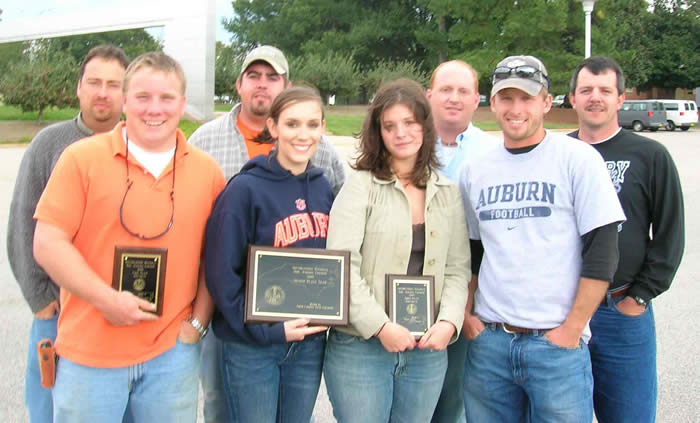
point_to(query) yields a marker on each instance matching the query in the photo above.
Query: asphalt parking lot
(676, 311)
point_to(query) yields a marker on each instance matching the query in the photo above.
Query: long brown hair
(286, 98)
(374, 155)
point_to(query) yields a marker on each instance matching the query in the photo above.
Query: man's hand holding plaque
(141, 272)
(126, 309)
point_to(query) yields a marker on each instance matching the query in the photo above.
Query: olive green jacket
(372, 219)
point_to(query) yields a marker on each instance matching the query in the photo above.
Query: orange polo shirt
(82, 198)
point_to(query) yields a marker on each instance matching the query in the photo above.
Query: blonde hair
(158, 61)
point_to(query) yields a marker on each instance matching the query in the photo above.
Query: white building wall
(189, 37)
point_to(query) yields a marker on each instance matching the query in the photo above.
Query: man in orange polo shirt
(130, 206)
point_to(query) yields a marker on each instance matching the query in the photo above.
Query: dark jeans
(276, 383)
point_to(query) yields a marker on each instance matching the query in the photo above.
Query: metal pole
(587, 10)
(588, 34)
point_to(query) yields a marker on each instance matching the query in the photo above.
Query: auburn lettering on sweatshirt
(299, 226)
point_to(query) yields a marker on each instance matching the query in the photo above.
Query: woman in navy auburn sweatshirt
(271, 372)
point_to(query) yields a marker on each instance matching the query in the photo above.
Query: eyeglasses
(523, 72)
(129, 183)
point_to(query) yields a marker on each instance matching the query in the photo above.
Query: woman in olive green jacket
(396, 215)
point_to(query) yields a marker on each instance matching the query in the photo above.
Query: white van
(680, 114)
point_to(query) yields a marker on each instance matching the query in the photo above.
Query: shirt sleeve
(63, 202)
(37, 287)
(469, 212)
(600, 253)
(229, 231)
(328, 159)
(457, 274)
(477, 249)
(346, 231)
(665, 250)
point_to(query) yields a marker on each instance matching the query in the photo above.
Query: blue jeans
(623, 356)
(37, 398)
(517, 378)
(215, 407)
(275, 383)
(162, 389)
(450, 406)
(368, 384)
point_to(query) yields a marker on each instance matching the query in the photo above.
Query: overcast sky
(17, 9)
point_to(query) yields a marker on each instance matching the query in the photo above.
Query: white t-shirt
(154, 162)
(530, 211)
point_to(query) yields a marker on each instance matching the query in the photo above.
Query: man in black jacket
(623, 343)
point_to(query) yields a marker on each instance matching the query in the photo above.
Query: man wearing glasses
(120, 229)
(546, 214)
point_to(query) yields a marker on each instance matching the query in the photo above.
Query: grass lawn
(50, 114)
(188, 126)
(223, 107)
(344, 125)
(21, 140)
(339, 121)
(351, 125)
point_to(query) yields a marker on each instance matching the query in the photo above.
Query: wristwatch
(640, 300)
(198, 326)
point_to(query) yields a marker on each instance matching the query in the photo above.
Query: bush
(334, 74)
(386, 71)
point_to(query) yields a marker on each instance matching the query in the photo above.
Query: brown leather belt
(516, 329)
(614, 295)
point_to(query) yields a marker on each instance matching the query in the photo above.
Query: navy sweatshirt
(263, 205)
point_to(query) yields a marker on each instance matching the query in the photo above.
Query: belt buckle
(505, 329)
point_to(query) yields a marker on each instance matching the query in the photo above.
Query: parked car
(642, 114)
(680, 114)
(558, 100)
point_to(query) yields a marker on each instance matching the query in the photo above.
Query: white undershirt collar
(154, 162)
(608, 138)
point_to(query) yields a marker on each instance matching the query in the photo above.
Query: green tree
(369, 30)
(619, 30)
(673, 44)
(133, 41)
(11, 53)
(334, 74)
(483, 33)
(658, 48)
(41, 82)
(227, 69)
